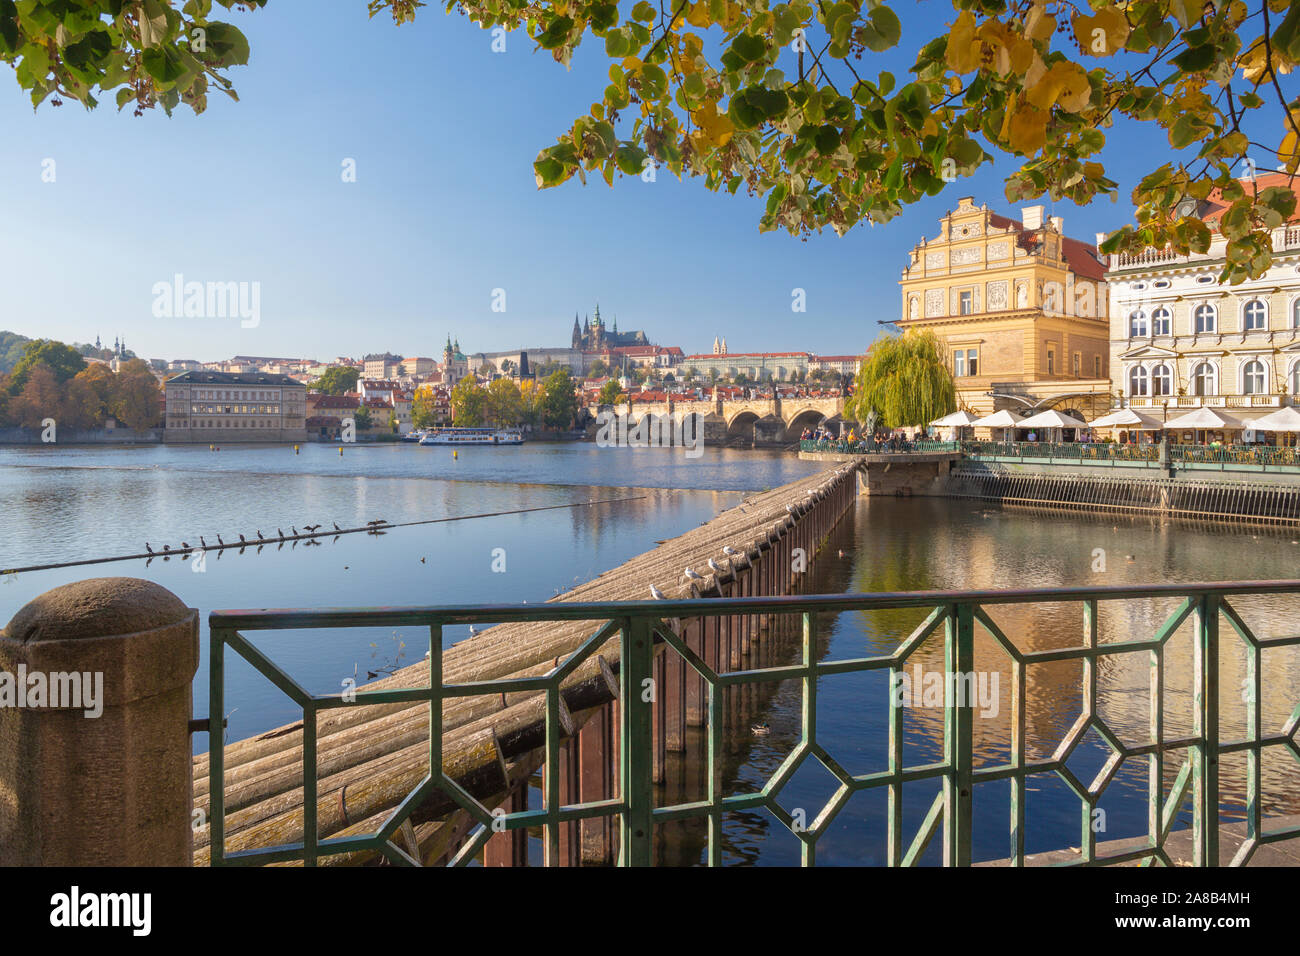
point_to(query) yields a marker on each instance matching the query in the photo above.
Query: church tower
(577, 333)
(717, 346)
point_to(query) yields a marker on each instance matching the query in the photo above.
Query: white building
(1181, 340)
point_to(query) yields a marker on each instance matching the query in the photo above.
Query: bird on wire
(280, 533)
(219, 541)
(185, 545)
(259, 535)
(167, 549)
(147, 548)
(294, 529)
(241, 540)
(336, 526)
(203, 544)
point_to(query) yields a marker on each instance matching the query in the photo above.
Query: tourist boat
(473, 436)
(414, 436)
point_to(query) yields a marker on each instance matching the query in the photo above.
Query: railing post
(635, 668)
(959, 654)
(1205, 755)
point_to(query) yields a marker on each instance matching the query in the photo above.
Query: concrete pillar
(105, 777)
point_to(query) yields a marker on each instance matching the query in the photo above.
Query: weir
(372, 755)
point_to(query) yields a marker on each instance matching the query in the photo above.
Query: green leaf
(227, 44)
(8, 27)
(163, 63)
(827, 139)
(881, 30)
(124, 96)
(1287, 36)
(557, 33)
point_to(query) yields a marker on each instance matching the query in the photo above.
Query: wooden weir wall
(1212, 500)
(370, 757)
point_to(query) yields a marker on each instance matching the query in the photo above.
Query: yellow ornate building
(1020, 309)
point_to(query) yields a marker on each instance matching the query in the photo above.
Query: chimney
(1101, 237)
(1031, 217)
(1058, 224)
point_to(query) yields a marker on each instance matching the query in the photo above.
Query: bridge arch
(740, 427)
(801, 419)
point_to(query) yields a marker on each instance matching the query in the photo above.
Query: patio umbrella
(1004, 419)
(1052, 419)
(1203, 419)
(1285, 419)
(958, 419)
(1127, 418)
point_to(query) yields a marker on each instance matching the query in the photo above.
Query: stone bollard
(95, 702)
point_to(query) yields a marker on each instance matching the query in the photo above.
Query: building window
(959, 363)
(1255, 315)
(1051, 362)
(1078, 365)
(1162, 322)
(1206, 318)
(1138, 383)
(1096, 366)
(966, 303)
(1162, 382)
(1137, 324)
(1252, 378)
(1295, 314)
(1205, 380)
(1295, 379)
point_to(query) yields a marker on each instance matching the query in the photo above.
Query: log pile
(369, 758)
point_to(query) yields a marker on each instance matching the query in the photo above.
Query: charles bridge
(757, 422)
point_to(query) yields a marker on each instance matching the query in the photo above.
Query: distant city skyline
(443, 222)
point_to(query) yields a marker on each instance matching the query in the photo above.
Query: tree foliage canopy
(337, 380)
(778, 98)
(905, 380)
(63, 360)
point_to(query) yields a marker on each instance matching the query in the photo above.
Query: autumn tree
(904, 380)
(136, 400)
(424, 410)
(468, 403)
(503, 403)
(560, 404)
(39, 398)
(609, 393)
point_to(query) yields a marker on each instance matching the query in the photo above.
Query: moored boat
(473, 436)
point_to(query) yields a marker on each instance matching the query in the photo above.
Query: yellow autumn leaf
(1289, 152)
(1102, 34)
(1037, 70)
(1064, 83)
(963, 50)
(1027, 131)
(1039, 24)
(698, 16)
(717, 128)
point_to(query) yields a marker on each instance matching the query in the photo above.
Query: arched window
(1138, 381)
(1162, 380)
(1206, 318)
(1205, 380)
(1137, 324)
(1254, 316)
(1162, 322)
(1252, 378)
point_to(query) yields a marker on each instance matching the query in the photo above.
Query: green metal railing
(1244, 457)
(639, 627)
(870, 447)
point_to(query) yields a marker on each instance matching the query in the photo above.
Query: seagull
(715, 566)
(692, 575)
(728, 549)
(472, 630)
(790, 508)
(147, 548)
(657, 594)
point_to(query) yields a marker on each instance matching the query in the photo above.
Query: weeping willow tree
(904, 380)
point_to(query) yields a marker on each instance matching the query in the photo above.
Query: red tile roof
(1080, 256)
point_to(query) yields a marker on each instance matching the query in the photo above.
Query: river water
(63, 504)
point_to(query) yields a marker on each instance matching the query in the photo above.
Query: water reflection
(895, 545)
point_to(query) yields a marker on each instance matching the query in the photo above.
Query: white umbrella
(1052, 419)
(1127, 418)
(1204, 418)
(1003, 419)
(1285, 419)
(958, 419)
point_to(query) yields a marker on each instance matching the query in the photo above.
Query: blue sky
(444, 210)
